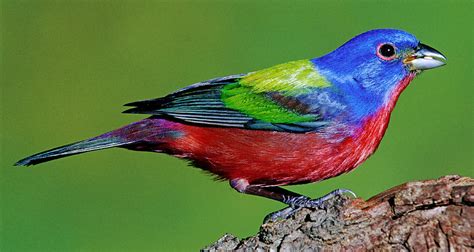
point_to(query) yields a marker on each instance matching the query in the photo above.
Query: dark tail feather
(93, 144)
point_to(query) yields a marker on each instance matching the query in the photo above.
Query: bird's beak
(425, 57)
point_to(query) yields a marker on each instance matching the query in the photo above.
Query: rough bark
(435, 215)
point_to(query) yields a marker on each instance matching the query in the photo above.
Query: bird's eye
(386, 51)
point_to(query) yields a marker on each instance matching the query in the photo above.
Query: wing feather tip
(134, 111)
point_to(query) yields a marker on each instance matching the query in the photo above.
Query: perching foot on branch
(296, 203)
(431, 215)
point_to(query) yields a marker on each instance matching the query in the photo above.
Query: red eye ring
(386, 51)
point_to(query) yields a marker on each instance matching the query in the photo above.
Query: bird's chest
(350, 151)
(369, 137)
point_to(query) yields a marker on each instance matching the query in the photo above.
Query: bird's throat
(397, 90)
(374, 128)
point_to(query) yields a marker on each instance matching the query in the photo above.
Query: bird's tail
(132, 136)
(145, 135)
(92, 144)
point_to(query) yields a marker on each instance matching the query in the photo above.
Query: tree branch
(419, 216)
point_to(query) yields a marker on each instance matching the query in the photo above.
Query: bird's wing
(264, 100)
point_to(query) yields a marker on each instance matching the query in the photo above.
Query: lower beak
(425, 57)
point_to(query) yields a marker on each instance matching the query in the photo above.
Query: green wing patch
(251, 94)
(290, 78)
(256, 105)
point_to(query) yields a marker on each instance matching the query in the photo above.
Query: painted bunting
(293, 123)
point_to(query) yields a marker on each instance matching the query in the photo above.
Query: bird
(298, 122)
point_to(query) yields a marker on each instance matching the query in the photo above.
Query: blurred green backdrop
(68, 66)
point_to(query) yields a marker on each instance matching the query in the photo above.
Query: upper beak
(425, 57)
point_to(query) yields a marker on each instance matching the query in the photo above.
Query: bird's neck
(397, 90)
(377, 123)
(366, 90)
(368, 137)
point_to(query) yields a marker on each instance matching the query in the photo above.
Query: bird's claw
(301, 202)
(336, 192)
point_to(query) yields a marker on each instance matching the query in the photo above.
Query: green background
(68, 66)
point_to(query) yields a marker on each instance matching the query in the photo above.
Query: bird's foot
(297, 203)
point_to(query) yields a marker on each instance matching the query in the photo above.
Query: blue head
(368, 68)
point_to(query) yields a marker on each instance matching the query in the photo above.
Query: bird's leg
(271, 192)
(293, 200)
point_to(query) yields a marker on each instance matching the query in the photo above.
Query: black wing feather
(199, 103)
